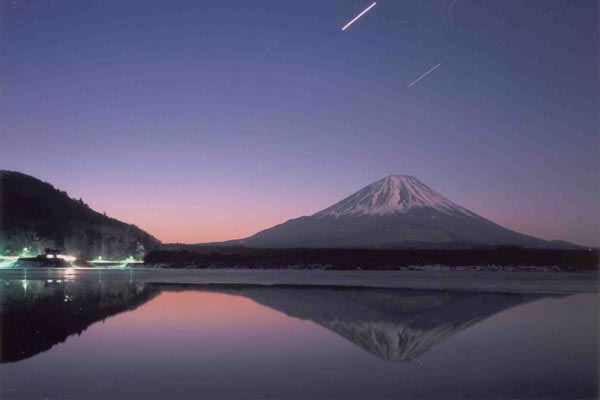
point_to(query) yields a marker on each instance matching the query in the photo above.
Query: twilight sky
(210, 120)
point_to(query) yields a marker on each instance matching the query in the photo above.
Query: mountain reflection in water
(394, 325)
(36, 315)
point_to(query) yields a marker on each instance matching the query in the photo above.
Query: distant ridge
(36, 215)
(397, 211)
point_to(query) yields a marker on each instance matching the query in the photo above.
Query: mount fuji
(397, 211)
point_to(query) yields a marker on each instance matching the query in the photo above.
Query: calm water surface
(95, 339)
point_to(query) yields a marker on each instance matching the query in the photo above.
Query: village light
(66, 258)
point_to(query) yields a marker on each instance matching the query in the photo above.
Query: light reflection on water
(65, 337)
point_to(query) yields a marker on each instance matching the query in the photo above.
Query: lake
(114, 336)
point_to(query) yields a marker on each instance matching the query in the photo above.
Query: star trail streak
(366, 10)
(425, 74)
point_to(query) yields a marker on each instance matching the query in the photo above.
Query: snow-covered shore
(463, 280)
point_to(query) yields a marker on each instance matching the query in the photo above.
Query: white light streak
(425, 74)
(366, 10)
(275, 43)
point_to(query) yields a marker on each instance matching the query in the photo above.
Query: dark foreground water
(82, 339)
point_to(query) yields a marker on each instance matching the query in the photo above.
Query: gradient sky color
(206, 121)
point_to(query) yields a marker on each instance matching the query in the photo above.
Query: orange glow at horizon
(204, 232)
(180, 220)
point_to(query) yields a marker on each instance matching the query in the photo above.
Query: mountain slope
(396, 211)
(36, 215)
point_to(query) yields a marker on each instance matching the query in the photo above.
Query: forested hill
(36, 215)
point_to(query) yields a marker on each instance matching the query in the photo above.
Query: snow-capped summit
(392, 194)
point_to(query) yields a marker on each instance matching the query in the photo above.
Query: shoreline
(438, 267)
(450, 280)
(499, 258)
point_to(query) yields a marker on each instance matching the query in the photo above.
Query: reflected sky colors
(225, 342)
(210, 121)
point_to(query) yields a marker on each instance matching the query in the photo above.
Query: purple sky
(202, 121)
